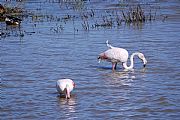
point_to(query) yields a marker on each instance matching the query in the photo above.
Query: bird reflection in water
(123, 78)
(67, 105)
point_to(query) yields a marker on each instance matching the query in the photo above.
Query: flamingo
(65, 86)
(116, 55)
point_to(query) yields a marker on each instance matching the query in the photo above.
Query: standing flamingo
(116, 55)
(65, 86)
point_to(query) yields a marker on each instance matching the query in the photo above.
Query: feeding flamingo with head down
(116, 55)
(65, 86)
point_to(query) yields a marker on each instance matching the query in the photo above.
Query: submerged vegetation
(11, 16)
(10, 11)
(81, 16)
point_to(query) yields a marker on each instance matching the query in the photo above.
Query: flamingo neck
(132, 62)
(67, 92)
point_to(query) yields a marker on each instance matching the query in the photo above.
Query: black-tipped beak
(144, 65)
(98, 57)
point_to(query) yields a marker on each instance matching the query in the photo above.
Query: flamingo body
(65, 86)
(116, 55)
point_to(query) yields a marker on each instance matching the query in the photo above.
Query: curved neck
(131, 60)
(67, 91)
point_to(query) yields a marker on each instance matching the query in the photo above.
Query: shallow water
(31, 65)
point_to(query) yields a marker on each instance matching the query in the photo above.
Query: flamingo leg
(114, 66)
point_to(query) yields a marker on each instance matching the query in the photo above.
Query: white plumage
(65, 86)
(116, 55)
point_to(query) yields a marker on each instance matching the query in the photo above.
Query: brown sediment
(2, 9)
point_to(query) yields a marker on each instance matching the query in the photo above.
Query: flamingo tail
(108, 45)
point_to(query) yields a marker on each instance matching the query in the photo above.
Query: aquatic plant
(82, 16)
(135, 14)
(10, 10)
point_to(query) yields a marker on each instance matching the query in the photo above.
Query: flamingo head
(102, 56)
(141, 56)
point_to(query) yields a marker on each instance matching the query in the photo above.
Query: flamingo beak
(145, 62)
(144, 65)
(99, 58)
